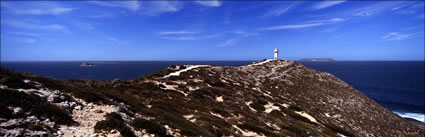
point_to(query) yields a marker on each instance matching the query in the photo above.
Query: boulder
(3, 119)
(65, 104)
(78, 107)
(53, 98)
(90, 105)
(18, 111)
(49, 123)
(72, 104)
(41, 134)
(116, 109)
(115, 81)
(59, 133)
(32, 120)
(15, 133)
(10, 124)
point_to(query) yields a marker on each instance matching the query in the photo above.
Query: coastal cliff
(265, 98)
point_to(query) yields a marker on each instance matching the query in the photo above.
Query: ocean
(397, 85)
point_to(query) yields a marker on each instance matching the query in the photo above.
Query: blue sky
(211, 30)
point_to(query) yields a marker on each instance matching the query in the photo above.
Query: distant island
(86, 64)
(318, 59)
(89, 64)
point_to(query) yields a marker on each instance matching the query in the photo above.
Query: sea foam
(417, 116)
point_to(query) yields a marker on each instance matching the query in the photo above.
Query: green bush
(262, 100)
(151, 127)
(276, 113)
(299, 131)
(114, 121)
(160, 73)
(202, 94)
(107, 124)
(17, 99)
(5, 112)
(221, 111)
(175, 78)
(34, 104)
(18, 83)
(216, 132)
(215, 82)
(192, 83)
(257, 107)
(55, 113)
(149, 86)
(49, 82)
(339, 130)
(214, 121)
(186, 127)
(89, 95)
(295, 108)
(181, 86)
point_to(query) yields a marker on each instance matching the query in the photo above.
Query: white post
(276, 54)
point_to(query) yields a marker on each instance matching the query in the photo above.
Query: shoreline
(416, 116)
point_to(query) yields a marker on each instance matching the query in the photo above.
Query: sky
(211, 30)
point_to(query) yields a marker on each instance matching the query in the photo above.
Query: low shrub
(36, 127)
(18, 83)
(262, 100)
(175, 78)
(150, 126)
(5, 112)
(186, 127)
(329, 132)
(148, 86)
(299, 131)
(276, 113)
(55, 113)
(49, 82)
(33, 104)
(221, 111)
(216, 132)
(295, 108)
(339, 130)
(160, 73)
(181, 86)
(257, 107)
(215, 83)
(167, 106)
(114, 121)
(202, 94)
(214, 121)
(89, 95)
(192, 83)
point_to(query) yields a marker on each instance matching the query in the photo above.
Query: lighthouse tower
(276, 54)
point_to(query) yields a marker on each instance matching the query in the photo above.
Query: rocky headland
(265, 98)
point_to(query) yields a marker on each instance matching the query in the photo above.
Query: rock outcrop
(265, 98)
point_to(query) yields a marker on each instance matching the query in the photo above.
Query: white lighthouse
(276, 52)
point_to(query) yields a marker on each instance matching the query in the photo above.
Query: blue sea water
(396, 85)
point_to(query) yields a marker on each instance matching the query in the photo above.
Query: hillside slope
(266, 98)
